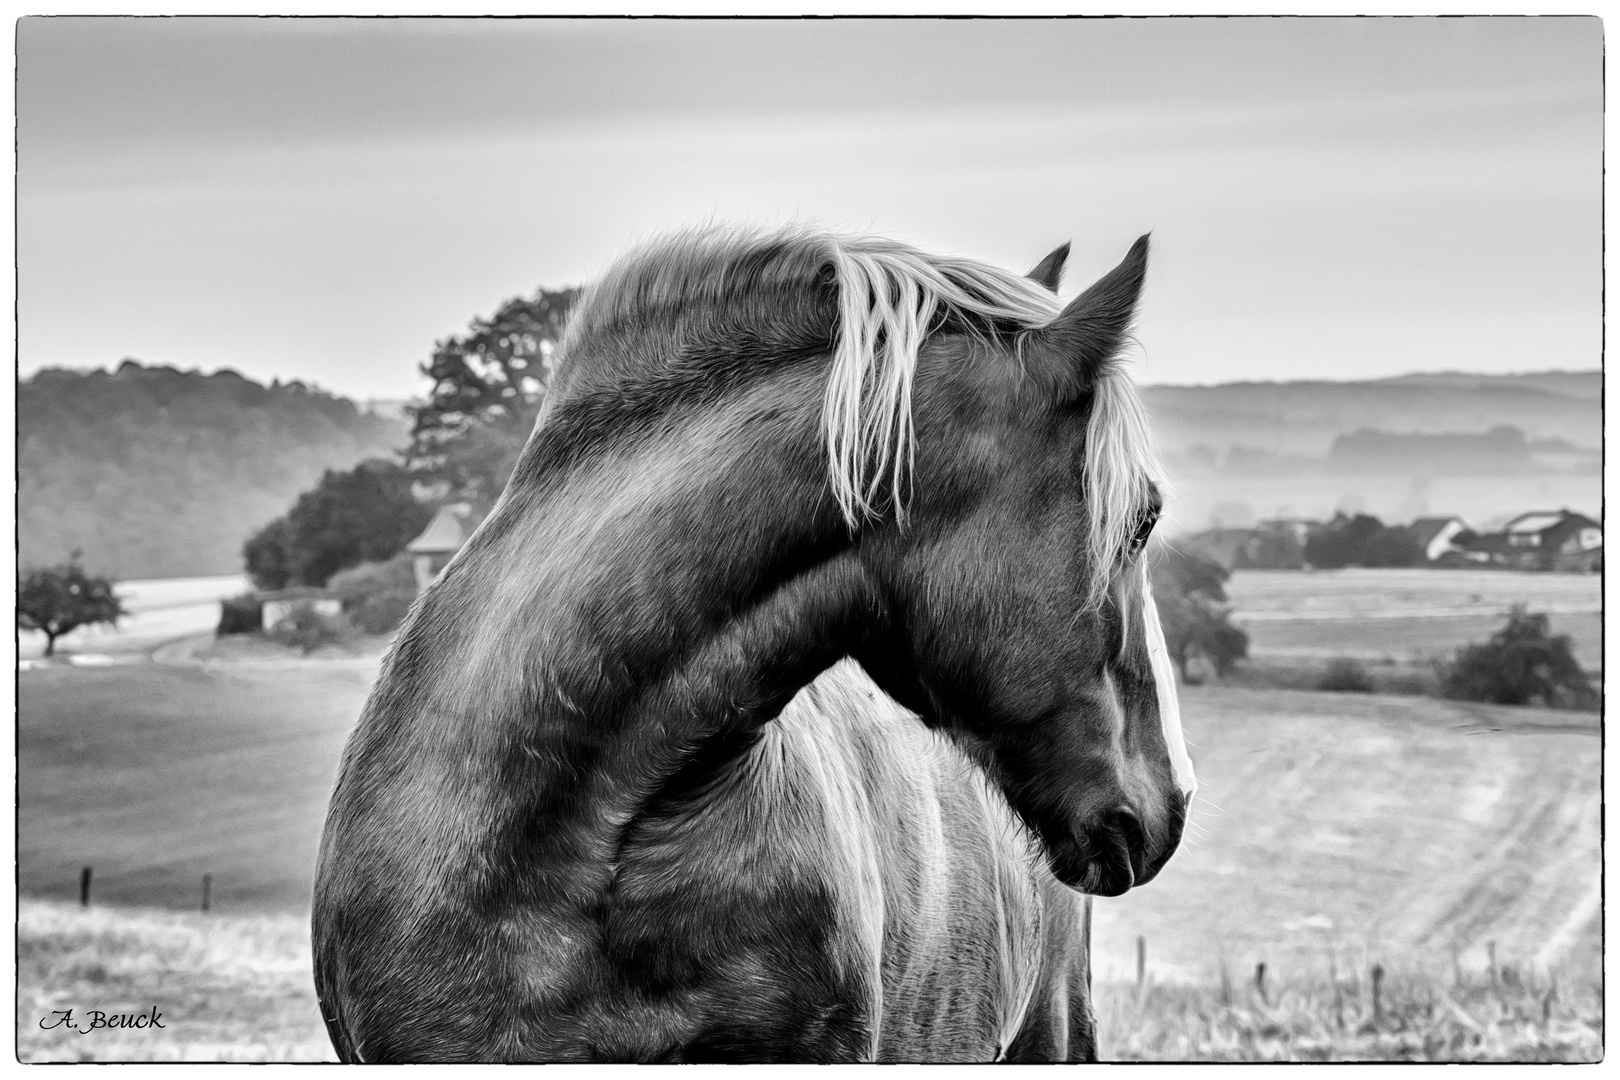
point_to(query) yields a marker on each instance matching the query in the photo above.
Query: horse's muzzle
(1115, 854)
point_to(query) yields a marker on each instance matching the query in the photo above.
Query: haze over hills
(155, 472)
(1484, 447)
(1305, 417)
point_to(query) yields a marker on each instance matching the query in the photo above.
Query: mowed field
(1342, 830)
(1406, 616)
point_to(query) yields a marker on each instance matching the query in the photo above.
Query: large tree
(63, 598)
(367, 514)
(487, 388)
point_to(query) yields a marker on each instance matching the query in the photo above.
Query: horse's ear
(1088, 334)
(1049, 271)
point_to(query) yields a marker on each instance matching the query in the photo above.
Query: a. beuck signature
(97, 1020)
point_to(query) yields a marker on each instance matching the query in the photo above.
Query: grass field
(1409, 617)
(1409, 1016)
(154, 775)
(228, 988)
(1350, 829)
(1396, 830)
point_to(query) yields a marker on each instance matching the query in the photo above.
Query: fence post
(208, 882)
(1260, 981)
(1378, 1000)
(1141, 962)
(84, 887)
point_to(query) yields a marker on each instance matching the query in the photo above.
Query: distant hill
(1305, 417)
(1480, 446)
(155, 472)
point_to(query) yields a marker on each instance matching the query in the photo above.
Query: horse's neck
(599, 634)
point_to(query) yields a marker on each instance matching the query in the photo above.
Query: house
(1545, 540)
(1437, 534)
(442, 538)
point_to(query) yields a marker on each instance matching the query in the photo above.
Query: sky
(323, 199)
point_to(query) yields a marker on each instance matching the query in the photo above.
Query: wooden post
(84, 887)
(208, 884)
(1378, 999)
(1260, 981)
(1141, 962)
(1338, 994)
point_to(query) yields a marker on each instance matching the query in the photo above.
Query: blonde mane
(889, 295)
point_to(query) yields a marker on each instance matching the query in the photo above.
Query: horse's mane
(889, 296)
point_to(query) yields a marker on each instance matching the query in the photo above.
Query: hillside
(1305, 417)
(155, 472)
(1484, 447)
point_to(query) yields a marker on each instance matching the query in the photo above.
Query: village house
(1545, 540)
(442, 538)
(1438, 535)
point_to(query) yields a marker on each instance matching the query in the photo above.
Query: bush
(1522, 664)
(306, 629)
(377, 595)
(1190, 591)
(1346, 676)
(240, 615)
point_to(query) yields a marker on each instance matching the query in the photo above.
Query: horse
(797, 694)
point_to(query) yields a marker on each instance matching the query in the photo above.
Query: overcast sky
(323, 199)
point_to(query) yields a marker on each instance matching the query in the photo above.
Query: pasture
(155, 775)
(1406, 616)
(1331, 830)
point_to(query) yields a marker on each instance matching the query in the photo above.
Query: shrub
(377, 595)
(1522, 664)
(240, 615)
(306, 629)
(1189, 589)
(1346, 676)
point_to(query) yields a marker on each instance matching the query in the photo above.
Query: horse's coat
(649, 774)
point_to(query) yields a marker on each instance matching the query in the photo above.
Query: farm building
(1438, 535)
(441, 539)
(1545, 540)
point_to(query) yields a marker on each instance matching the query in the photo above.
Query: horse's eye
(1143, 531)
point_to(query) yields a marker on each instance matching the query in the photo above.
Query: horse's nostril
(1123, 822)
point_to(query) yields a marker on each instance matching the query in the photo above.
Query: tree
(1521, 664)
(1362, 540)
(63, 598)
(367, 514)
(488, 385)
(1190, 590)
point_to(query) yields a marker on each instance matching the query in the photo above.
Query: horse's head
(1022, 621)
